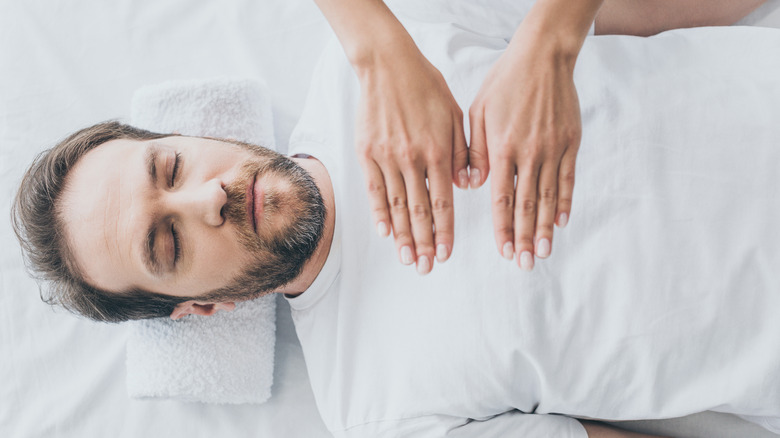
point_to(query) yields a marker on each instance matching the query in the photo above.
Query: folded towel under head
(227, 357)
(224, 107)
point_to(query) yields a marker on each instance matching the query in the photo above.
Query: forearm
(600, 430)
(649, 17)
(367, 29)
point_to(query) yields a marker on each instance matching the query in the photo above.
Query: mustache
(235, 208)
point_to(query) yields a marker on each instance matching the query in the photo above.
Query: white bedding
(65, 65)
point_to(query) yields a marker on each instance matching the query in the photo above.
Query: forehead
(91, 209)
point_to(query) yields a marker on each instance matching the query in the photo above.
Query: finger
(502, 194)
(525, 214)
(420, 218)
(547, 202)
(377, 197)
(478, 151)
(460, 155)
(440, 189)
(566, 187)
(399, 216)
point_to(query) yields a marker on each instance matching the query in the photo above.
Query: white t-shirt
(660, 298)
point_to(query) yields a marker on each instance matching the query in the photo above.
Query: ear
(196, 308)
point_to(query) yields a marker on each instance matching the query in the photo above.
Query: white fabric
(227, 357)
(661, 296)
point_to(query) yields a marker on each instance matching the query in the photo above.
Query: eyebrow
(150, 255)
(150, 158)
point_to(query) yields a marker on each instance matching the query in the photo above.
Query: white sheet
(65, 65)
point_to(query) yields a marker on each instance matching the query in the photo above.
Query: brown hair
(39, 228)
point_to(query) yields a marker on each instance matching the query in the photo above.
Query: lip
(250, 203)
(254, 203)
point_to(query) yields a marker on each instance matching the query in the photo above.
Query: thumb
(460, 154)
(478, 153)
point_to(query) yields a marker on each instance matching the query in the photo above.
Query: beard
(289, 232)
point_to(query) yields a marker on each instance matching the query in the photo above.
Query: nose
(203, 202)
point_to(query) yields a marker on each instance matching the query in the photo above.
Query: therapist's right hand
(411, 146)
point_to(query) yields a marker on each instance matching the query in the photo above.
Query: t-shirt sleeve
(512, 423)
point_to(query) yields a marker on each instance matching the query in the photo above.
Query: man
(641, 314)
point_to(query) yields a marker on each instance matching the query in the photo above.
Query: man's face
(188, 216)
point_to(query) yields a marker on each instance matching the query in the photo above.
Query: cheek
(219, 259)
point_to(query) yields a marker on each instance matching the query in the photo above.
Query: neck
(313, 267)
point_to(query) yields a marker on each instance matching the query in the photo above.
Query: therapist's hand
(411, 146)
(525, 124)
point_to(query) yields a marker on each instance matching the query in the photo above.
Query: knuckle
(545, 230)
(504, 201)
(376, 188)
(527, 207)
(564, 203)
(380, 211)
(571, 135)
(435, 159)
(503, 231)
(402, 236)
(398, 204)
(424, 250)
(531, 154)
(527, 167)
(365, 151)
(407, 155)
(524, 242)
(420, 212)
(444, 236)
(505, 152)
(567, 176)
(441, 205)
(548, 195)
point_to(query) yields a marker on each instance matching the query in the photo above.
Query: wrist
(557, 27)
(392, 57)
(381, 51)
(368, 31)
(538, 46)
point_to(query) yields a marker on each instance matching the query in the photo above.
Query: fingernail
(526, 261)
(563, 220)
(543, 248)
(463, 178)
(406, 255)
(423, 265)
(382, 229)
(474, 178)
(508, 251)
(441, 252)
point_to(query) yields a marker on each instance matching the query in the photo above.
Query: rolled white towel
(223, 107)
(227, 357)
(224, 358)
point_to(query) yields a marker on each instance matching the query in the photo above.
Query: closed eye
(175, 171)
(176, 245)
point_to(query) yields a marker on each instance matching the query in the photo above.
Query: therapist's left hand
(525, 124)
